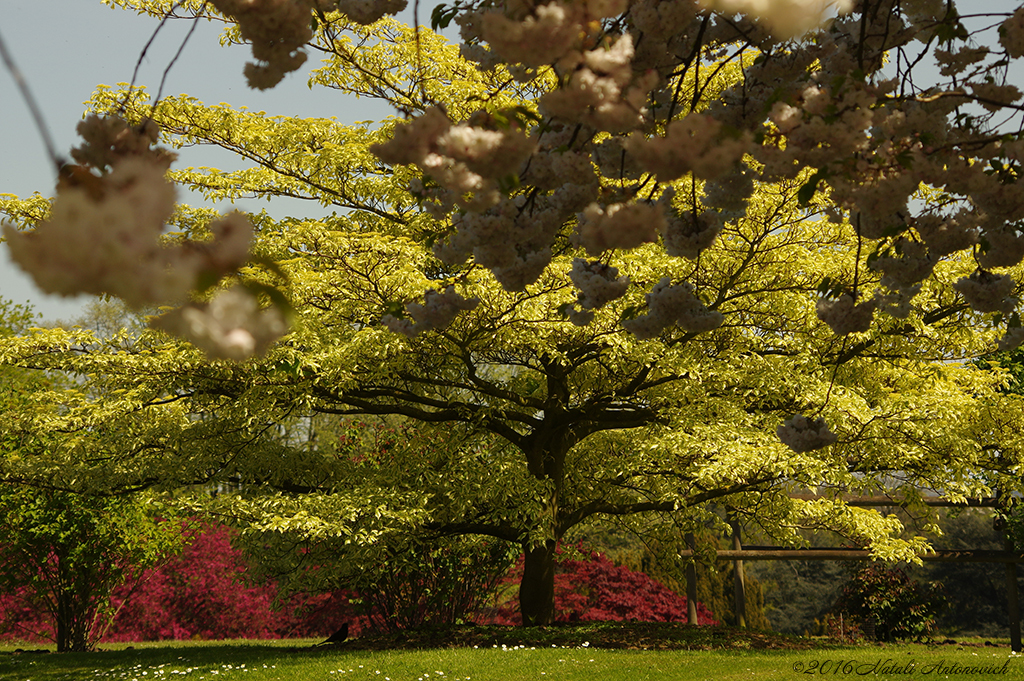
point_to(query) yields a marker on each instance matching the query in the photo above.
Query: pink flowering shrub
(595, 589)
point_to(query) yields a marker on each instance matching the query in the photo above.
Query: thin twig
(181, 48)
(419, 49)
(33, 107)
(142, 55)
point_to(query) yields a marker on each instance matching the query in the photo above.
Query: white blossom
(987, 292)
(542, 38)
(801, 434)
(601, 92)
(671, 304)
(784, 18)
(1011, 34)
(947, 235)
(368, 11)
(277, 30)
(695, 144)
(688, 234)
(1013, 339)
(598, 283)
(844, 315)
(1004, 247)
(911, 264)
(897, 303)
(620, 225)
(231, 326)
(437, 312)
(994, 96)
(103, 237)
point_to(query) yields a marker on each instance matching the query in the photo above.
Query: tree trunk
(63, 623)
(537, 588)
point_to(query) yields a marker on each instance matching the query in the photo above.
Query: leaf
(807, 190)
(441, 16)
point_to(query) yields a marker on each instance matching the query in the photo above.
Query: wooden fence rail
(738, 554)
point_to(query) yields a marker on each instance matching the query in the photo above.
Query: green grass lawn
(295, 661)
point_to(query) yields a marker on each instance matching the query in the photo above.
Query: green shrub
(885, 601)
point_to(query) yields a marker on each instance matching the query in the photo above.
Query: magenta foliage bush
(595, 589)
(200, 594)
(21, 620)
(203, 594)
(196, 595)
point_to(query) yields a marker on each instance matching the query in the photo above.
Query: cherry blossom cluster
(599, 284)
(670, 305)
(688, 234)
(277, 30)
(619, 225)
(600, 89)
(810, 102)
(802, 434)
(1011, 34)
(694, 144)
(785, 18)
(437, 312)
(368, 11)
(104, 236)
(988, 292)
(635, 97)
(468, 160)
(844, 315)
(231, 326)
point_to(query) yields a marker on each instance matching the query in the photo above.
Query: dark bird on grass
(339, 636)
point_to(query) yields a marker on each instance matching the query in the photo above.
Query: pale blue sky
(66, 47)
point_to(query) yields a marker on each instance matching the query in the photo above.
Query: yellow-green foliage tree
(64, 553)
(529, 423)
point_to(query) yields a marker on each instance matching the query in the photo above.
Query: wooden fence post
(691, 580)
(739, 585)
(1012, 603)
